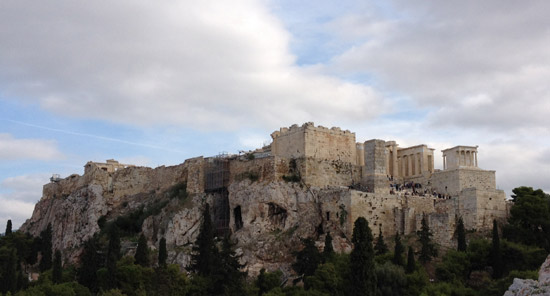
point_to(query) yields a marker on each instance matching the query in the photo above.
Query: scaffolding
(216, 182)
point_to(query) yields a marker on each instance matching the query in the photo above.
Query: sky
(156, 82)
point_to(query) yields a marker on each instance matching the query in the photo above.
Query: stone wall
(322, 173)
(375, 170)
(317, 142)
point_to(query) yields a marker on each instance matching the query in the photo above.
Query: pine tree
(411, 264)
(398, 251)
(142, 256)
(46, 248)
(89, 264)
(496, 255)
(461, 236)
(57, 268)
(328, 250)
(204, 255)
(307, 259)
(163, 254)
(8, 228)
(229, 276)
(428, 249)
(380, 247)
(113, 254)
(362, 271)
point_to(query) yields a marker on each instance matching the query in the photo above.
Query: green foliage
(267, 281)
(46, 248)
(326, 279)
(391, 280)
(170, 281)
(428, 248)
(416, 282)
(362, 273)
(461, 236)
(163, 253)
(178, 191)
(454, 266)
(142, 252)
(113, 254)
(529, 221)
(8, 273)
(343, 214)
(230, 279)
(89, 264)
(133, 279)
(411, 263)
(8, 228)
(130, 224)
(498, 287)
(398, 251)
(496, 254)
(307, 259)
(57, 268)
(328, 250)
(380, 247)
(204, 255)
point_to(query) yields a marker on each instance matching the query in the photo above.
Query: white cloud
(205, 64)
(17, 149)
(18, 196)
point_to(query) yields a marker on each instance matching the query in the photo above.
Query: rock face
(527, 287)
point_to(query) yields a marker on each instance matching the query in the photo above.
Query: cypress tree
(230, 278)
(113, 254)
(398, 251)
(411, 264)
(142, 256)
(204, 255)
(380, 247)
(328, 250)
(8, 276)
(428, 249)
(46, 248)
(57, 268)
(89, 264)
(362, 273)
(307, 259)
(8, 228)
(496, 255)
(163, 254)
(461, 236)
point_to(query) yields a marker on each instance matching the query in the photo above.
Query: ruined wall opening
(277, 214)
(238, 217)
(328, 216)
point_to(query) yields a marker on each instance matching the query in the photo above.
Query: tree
(362, 272)
(398, 251)
(428, 249)
(89, 264)
(328, 250)
(163, 254)
(461, 236)
(496, 254)
(204, 251)
(8, 273)
(113, 254)
(267, 281)
(8, 228)
(380, 247)
(46, 248)
(529, 221)
(142, 256)
(411, 264)
(228, 274)
(307, 259)
(57, 268)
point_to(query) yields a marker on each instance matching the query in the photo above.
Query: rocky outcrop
(521, 287)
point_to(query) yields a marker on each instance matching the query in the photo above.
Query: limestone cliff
(522, 287)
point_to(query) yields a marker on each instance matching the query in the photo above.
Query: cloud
(476, 64)
(17, 149)
(207, 64)
(18, 196)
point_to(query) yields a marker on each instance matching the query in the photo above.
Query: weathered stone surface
(521, 287)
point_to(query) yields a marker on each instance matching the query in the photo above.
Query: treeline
(409, 266)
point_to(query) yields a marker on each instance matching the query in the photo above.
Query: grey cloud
(207, 64)
(444, 53)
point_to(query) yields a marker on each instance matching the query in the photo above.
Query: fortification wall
(268, 169)
(323, 173)
(317, 142)
(375, 170)
(378, 209)
(480, 207)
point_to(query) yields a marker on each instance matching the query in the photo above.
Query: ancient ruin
(310, 180)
